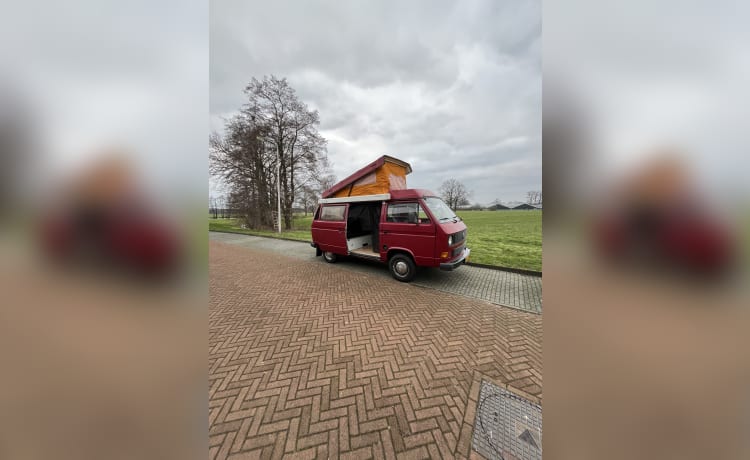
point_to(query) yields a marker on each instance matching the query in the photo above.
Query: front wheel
(329, 257)
(402, 267)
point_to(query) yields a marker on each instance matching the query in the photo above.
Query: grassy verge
(300, 230)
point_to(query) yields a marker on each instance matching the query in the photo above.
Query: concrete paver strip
(523, 292)
(312, 360)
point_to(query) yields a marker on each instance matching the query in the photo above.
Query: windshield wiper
(444, 218)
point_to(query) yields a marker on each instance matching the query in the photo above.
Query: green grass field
(505, 238)
(501, 238)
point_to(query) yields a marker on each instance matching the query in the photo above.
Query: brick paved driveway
(307, 360)
(513, 290)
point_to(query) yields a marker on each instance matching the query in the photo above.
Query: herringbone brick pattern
(501, 287)
(307, 360)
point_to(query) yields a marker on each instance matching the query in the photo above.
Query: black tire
(330, 257)
(402, 267)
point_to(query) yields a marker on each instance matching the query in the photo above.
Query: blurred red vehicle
(117, 237)
(102, 219)
(690, 239)
(655, 218)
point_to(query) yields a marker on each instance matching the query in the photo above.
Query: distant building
(527, 207)
(498, 207)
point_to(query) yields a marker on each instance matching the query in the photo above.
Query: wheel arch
(393, 251)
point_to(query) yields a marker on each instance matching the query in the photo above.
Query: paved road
(523, 292)
(307, 360)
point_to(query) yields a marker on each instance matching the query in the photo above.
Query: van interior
(362, 228)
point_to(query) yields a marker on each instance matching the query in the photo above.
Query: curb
(520, 271)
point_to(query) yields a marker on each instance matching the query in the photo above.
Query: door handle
(385, 232)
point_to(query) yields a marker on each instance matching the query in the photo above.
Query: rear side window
(405, 213)
(332, 213)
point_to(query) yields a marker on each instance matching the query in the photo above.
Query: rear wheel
(402, 267)
(329, 257)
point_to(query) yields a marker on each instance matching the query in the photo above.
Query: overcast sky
(454, 88)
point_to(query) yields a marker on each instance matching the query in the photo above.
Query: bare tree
(272, 142)
(454, 193)
(221, 202)
(325, 182)
(317, 179)
(212, 207)
(242, 160)
(534, 197)
(307, 198)
(292, 133)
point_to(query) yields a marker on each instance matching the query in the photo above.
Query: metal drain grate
(507, 427)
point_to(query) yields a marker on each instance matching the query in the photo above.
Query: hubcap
(329, 255)
(401, 267)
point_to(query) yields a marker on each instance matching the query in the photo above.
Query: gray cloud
(453, 88)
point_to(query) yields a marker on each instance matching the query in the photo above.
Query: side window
(333, 213)
(405, 213)
(317, 213)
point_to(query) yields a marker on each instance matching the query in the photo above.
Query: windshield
(439, 209)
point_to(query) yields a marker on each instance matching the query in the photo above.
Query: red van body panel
(330, 235)
(455, 250)
(416, 239)
(452, 227)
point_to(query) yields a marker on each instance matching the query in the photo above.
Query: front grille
(457, 251)
(459, 237)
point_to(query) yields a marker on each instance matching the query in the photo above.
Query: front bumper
(454, 264)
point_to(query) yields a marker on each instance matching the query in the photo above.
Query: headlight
(450, 240)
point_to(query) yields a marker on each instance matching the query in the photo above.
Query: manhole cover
(507, 427)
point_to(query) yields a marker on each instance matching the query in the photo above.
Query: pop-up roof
(381, 176)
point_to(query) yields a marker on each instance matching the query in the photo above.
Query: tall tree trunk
(261, 185)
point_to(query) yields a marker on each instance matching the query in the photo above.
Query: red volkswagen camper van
(405, 228)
